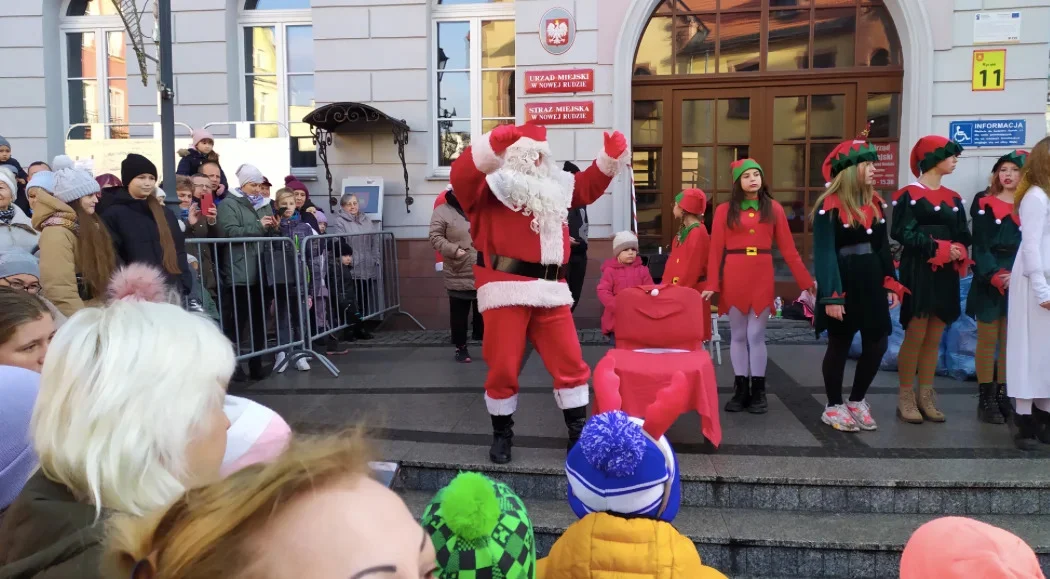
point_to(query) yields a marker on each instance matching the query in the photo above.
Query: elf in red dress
(517, 201)
(687, 264)
(929, 221)
(742, 234)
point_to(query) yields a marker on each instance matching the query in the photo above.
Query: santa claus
(517, 200)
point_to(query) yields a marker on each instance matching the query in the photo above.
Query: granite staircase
(756, 516)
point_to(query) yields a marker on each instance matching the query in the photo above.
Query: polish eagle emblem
(557, 32)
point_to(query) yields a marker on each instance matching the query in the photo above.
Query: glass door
(807, 122)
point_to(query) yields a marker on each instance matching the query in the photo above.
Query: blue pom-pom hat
(619, 467)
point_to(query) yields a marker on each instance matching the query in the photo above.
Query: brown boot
(906, 409)
(927, 404)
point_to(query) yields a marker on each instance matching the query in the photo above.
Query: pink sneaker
(861, 413)
(839, 418)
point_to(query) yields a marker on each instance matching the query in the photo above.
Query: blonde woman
(1028, 327)
(108, 444)
(856, 281)
(318, 493)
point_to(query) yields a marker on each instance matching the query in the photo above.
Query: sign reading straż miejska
(559, 81)
(560, 113)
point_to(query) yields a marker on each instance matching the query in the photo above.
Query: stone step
(798, 484)
(763, 543)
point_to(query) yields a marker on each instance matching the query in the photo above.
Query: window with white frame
(473, 73)
(279, 74)
(96, 68)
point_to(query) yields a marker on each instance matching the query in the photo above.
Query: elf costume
(687, 264)
(851, 257)
(928, 223)
(626, 489)
(996, 238)
(480, 528)
(740, 269)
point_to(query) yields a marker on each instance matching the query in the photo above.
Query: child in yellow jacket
(625, 487)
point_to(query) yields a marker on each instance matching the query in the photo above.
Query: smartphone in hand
(207, 203)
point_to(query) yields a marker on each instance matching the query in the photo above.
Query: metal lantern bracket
(355, 118)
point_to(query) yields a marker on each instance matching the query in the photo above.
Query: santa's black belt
(748, 251)
(855, 249)
(553, 272)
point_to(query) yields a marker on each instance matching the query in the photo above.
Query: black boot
(1024, 432)
(575, 418)
(1003, 401)
(502, 438)
(758, 396)
(257, 370)
(1042, 425)
(362, 333)
(741, 395)
(987, 405)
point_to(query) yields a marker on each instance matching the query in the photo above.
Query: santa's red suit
(517, 200)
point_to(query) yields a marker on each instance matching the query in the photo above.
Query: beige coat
(58, 251)
(449, 232)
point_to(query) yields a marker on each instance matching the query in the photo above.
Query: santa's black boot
(575, 419)
(502, 438)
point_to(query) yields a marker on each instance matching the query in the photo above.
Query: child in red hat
(996, 238)
(856, 281)
(929, 221)
(742, 234)
(687, 264)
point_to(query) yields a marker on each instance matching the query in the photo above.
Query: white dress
(1028, 325)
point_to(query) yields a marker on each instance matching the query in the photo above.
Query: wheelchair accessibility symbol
(962, 136)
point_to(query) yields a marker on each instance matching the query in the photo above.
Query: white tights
(747, 347)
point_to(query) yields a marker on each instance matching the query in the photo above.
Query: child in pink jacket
(624, 271)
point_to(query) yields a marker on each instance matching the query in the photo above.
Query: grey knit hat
(5, 143)
(72, 184)
(17, 261)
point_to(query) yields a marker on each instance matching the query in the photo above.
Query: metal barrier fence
(274, 295)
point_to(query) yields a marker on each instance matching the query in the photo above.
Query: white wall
(23, 102)
(1027, 65)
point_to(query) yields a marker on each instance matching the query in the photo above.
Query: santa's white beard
(543, 191)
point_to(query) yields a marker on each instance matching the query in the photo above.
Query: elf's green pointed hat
(1017, 157)
(738, 167)
(480, 528)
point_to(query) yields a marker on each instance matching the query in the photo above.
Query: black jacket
(577, 218)
(191, 162)
(135, 235)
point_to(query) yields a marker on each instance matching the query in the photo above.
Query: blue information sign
(992, 133)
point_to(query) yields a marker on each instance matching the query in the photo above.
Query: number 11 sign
(989, 70)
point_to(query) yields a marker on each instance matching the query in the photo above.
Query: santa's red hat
(534, 132)
(930, 151)
(692, 201)
(848, 154)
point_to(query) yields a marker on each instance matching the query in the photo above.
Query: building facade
(693, 83)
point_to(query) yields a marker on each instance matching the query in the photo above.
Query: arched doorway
(782, 81)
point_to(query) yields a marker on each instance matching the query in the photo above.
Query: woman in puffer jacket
(450, 236)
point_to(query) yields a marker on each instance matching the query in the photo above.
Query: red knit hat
(692, 201)
(296, 185)
(930, 151)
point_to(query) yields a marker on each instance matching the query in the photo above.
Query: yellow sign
(989, 70)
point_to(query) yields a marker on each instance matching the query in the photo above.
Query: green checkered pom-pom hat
(480, 530)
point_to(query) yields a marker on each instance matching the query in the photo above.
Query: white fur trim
(537, 293)
(485, 159)
(662, 350)
(980, 212)
(439, 266)
(504, 407)
(609, 166)
(550, 229)
(572, 397)
(530, 144)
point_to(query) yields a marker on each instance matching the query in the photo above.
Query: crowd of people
(67, 232)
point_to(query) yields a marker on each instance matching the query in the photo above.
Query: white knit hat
(249, 174)
(624, 240)
(8, 178)
(72, 184)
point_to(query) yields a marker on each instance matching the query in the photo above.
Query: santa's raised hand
(615, 144)
(502, 137)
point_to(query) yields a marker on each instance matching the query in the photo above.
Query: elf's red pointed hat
(848, 154)
(692, 201)
(930, 151)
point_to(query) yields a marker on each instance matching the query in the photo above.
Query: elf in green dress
(856, 281)
(929, 221)
(996, 237)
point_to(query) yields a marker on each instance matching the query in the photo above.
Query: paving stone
(954, 502)
(1028, 502)
(785, 561)
(858, 499)
(836, 563)
(811, 563)
(764, 497)
(906, 501)
(835, 499)
(931, 501)
(887, 564)
(1003, 502)
(759, 561)
(862, 564)
(882, 499)
(811, 498)
(786, 498)
(698, 494)
(741, 496)
(978, 501)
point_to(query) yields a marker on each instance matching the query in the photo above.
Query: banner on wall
(886, 166)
